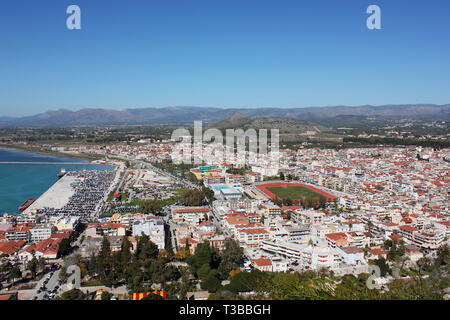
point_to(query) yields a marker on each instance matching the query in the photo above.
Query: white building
(41, 232)
(154, 229)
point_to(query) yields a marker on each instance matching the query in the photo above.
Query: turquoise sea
(18, 182)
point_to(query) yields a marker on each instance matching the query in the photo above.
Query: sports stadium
(294, 191)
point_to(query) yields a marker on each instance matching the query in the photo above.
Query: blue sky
(222, 53)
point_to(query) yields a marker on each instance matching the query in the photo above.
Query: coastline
(30, 149)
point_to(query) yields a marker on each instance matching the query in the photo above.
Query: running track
(263, 188)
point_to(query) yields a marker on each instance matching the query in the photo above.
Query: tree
(153, 205)
(254, 280)
(32, 266)
(231, 258)
(172, 273)
(211, 284)
(15, 273)
(192, 197)
(423, 263)
(63, 273)
(182, 255)
(209, 194)
(443, 255)
(352, 288)
(417, 289)
(105, 250)
(74, 294)
(204, 254)
(64, 247)
(307, 203)
(106, 295)
(233, 273)
(125, 254)
(278, 201)
(145, 248)
(164, 256)
(41, 263)
(288, 201)
(204, 270)
(382, 264)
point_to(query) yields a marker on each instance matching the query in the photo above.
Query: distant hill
(284, 125)
(328, 116)
(237, 120)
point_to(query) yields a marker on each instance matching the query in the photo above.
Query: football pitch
(295, 193)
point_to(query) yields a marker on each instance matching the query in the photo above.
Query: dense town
(206, 230)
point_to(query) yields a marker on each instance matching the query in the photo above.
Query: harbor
(25, 175)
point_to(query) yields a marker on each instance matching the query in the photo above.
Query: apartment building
(18, 233)
(234, 178)
(67, 223)
(338, 239)
(252, 237)
(41, 232)
(110, 229)
(315, 258)
(429, 238)
(352, 255)
(214, 179)
(291, 251)
(309, 217)
(189, 215)
(253, 177)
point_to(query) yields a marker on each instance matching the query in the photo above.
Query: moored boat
(26, 204)
(62, 173)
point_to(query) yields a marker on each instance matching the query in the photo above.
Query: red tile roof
(262, 262)
(11, 247)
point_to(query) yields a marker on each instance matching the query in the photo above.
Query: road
(49, 286)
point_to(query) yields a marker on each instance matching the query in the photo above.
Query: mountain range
(329, 116)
